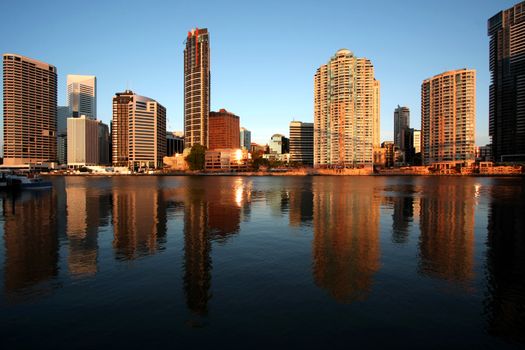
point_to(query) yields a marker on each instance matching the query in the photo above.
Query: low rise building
(226, 160)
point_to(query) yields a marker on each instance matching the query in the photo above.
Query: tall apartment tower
(507, 91)
(224, 130)
(138, 131)
(246, 138)
(82, 96)
(82, 142)
(346, 111)
(196, 88)
(401, 124)
(302, 142)
(30, 110)
(448, 116)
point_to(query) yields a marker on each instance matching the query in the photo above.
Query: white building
(82, 95)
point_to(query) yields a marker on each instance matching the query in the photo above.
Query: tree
(196, 157)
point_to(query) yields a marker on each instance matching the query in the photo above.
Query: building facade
(507, 90)
(138, 132)
(104, 150)
(401, 124)
(224, 131)
(174, 143)
(82, 95)
(83, 142)
(279, 144)
(448, 116)
(346, 111)
(246, 138)
(30, 110)
(302, 143)
(196, 88)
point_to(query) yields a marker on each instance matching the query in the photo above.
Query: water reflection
(52, 236)
(346, 239)
(446, 243)
(31, 244)
(139, 221)
(505, 297)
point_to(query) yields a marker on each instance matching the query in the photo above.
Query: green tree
(196, 157)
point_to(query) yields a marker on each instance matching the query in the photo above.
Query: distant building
(138, 131)
(62, 148)
(246, 138)
(302, 143)
(82, 96)
(507, 89)
(380, 157)
(417, 140)
(346, 111)
(256, 148)
(389, 153)
(196, 87)
(62, 115)
(401, 123)
(174, 143)
(448, 116)
(279, 144)
(484, 153)
(30, 110)
(224, 130)
(83, 142)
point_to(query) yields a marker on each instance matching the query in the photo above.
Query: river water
(140, 262)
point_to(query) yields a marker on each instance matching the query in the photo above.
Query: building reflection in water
(139, 220)
(505, 299)
(212, 211)
(346, 249)
(31, 244)
(301, 204)
(446, 243)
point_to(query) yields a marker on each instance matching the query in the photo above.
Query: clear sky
(263, 53)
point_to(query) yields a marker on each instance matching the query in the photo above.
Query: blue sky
(263, 53)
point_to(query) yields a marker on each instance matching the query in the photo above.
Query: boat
(27, 182)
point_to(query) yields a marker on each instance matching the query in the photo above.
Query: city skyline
(464, 45)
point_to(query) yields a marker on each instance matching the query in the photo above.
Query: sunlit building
(246, 138)
(302, 143)
(224, 130)
(30, 110)
(196, 87)
(401, 124)
(82, 142)
(448, 116)
(82, 96)
(346, 111)
(138, 131)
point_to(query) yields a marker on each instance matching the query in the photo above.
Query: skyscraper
(302, 142)
(224, 130)
(448, 114)
(82, 95)
(138, 131)
(401, 123)
(507, 91)
(196, 88)
(30, 110)
(246, 138)
(346, 111)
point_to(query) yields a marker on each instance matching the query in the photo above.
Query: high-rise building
(346, 111)
(196, 88)
(138, 131)
(246, 138)
(507, 91)
(302, 142)
(30, 110)
(417, 141)
(224, 130)
(401, 123)
(62, 115)
(448, 115)
(82, 95)
(83, 142)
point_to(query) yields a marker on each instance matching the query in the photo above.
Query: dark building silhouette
(507, 89)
